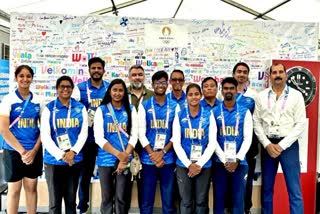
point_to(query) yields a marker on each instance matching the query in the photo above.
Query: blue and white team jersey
(247, 99)
(148, 130)
(26, 129)
(182, 101)
(91, 97)
(72, 120)
(105, 130)
(186, 136)
(208, 107)
(238, 128)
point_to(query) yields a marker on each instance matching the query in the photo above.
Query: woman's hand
(28, 157)
(194, 170)
(121, 167)
(123, 157)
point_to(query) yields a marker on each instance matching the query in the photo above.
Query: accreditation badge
(64, 142)
(160, 141)
(230, 151)
(91, 113)
(196, 152)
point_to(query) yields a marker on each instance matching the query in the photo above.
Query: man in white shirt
(279, 119)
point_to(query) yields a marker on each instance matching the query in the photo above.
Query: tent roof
(281, 10)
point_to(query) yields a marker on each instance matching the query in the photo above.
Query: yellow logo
(166, 31)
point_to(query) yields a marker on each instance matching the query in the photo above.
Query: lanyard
(224, 124)
(54, 116)
(139, 100)
(200, 123)
(154, 114)
(88, 91)
(241, 94)
(24, 107)
(110, 107)
(284, 99)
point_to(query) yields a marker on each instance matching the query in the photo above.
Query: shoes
(82, 209)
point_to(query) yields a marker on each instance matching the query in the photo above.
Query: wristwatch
(302, 79)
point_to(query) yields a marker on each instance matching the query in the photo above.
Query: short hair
(238, 64)
(19, 69)
(278, 63)
(158, 75)
(96, 59)
(64, 77)
(207, 79)
(231, 80)
(136, 67)
(193, 85)
(178, 71)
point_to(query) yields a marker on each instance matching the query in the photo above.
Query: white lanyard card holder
(230, 151)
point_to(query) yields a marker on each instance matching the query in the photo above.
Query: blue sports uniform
(77, 114)
(91, 101)
(60, 121)
(151, 130)
(207, 107)
(110, 133)
(242, 138)
(26, 130)
(164, 115)
(182, 101)
(189, 132)
(186, 140)
(91, 97)
(23, 118)
(114, 185)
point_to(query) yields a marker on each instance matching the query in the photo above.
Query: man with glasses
(158, 158)
(90, 93)
(177, 81)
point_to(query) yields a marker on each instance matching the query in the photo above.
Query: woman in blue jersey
(19, 117)
(116, 133)
(194, 140)
(64, 130)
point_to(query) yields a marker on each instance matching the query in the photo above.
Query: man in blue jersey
(177, 81)
(90, 93)
(235, 127)
(158, 158)
(209, 87)
(246, 97)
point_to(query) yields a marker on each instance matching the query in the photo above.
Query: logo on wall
(166, 31)
(166, 37)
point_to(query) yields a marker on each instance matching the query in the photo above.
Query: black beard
(228, 96)
(160, 94)
(96, 79)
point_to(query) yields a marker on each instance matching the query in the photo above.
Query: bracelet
(164, 151)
